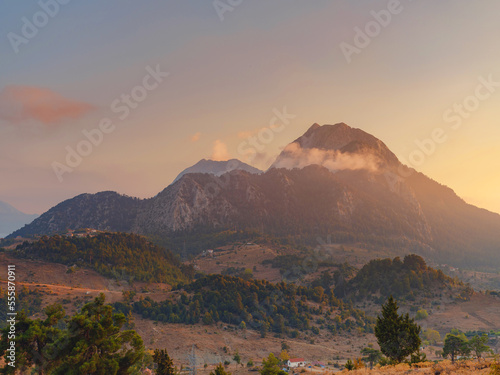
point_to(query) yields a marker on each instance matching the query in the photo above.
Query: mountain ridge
(217, 168)
(342, 195)
(337, 147)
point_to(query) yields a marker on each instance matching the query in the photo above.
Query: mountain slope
(218, 168)
(12, 219)
(460, 230)
(103, 211)
(110, 254)
(301, 201)
(337, 147)
(334, 180)
(407, 278)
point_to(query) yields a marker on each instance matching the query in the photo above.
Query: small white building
(296, 362)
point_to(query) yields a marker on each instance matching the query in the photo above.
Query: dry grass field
(242, 256)
(430, 368)
(481, 312)
(252, 255)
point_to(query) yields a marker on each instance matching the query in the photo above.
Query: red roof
(296, 359)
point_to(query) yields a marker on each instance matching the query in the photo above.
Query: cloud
(195, 137)
(20, 104)
(294, 156)
(219, 152)
(245, 134)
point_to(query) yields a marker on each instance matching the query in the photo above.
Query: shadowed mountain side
(336, 181)
(103, 211)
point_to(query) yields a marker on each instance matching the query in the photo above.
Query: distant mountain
(366, 199)
(218, 168)
(106, 211)
(12, 219)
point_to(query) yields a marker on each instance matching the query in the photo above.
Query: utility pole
(192, 360)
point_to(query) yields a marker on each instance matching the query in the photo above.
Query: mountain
(284, 202)
(308, 200)
(333, 181)
(106, 211)
(12, 219)
(218, 168)
(337, 147)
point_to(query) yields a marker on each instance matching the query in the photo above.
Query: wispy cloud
(295, 156)
(219, 152)
(195, 137)
(19, 104)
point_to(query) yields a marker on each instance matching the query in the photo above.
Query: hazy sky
(231, 68)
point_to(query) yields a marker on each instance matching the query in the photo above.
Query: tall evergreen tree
(165, 365)
(397, 335)
(95, 344)
(33, 337)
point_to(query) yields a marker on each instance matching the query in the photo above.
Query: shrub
(421, 314)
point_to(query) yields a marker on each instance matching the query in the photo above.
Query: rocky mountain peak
(218, 168)
(337, 147)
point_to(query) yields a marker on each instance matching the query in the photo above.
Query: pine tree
(454, 345)
(33, 339)
(165, 365)
(237, 357)
(397, 335)
(270, 366)
(371, 355)
(478, 346)
(95, 344)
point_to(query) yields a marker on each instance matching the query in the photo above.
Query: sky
(123, 95)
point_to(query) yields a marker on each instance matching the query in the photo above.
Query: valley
(73, 288)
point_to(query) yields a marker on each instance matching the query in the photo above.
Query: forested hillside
(405, 279)
(112, 255)
(255, 304)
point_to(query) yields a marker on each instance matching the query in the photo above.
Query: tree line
(112, 255)
(257, 304)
